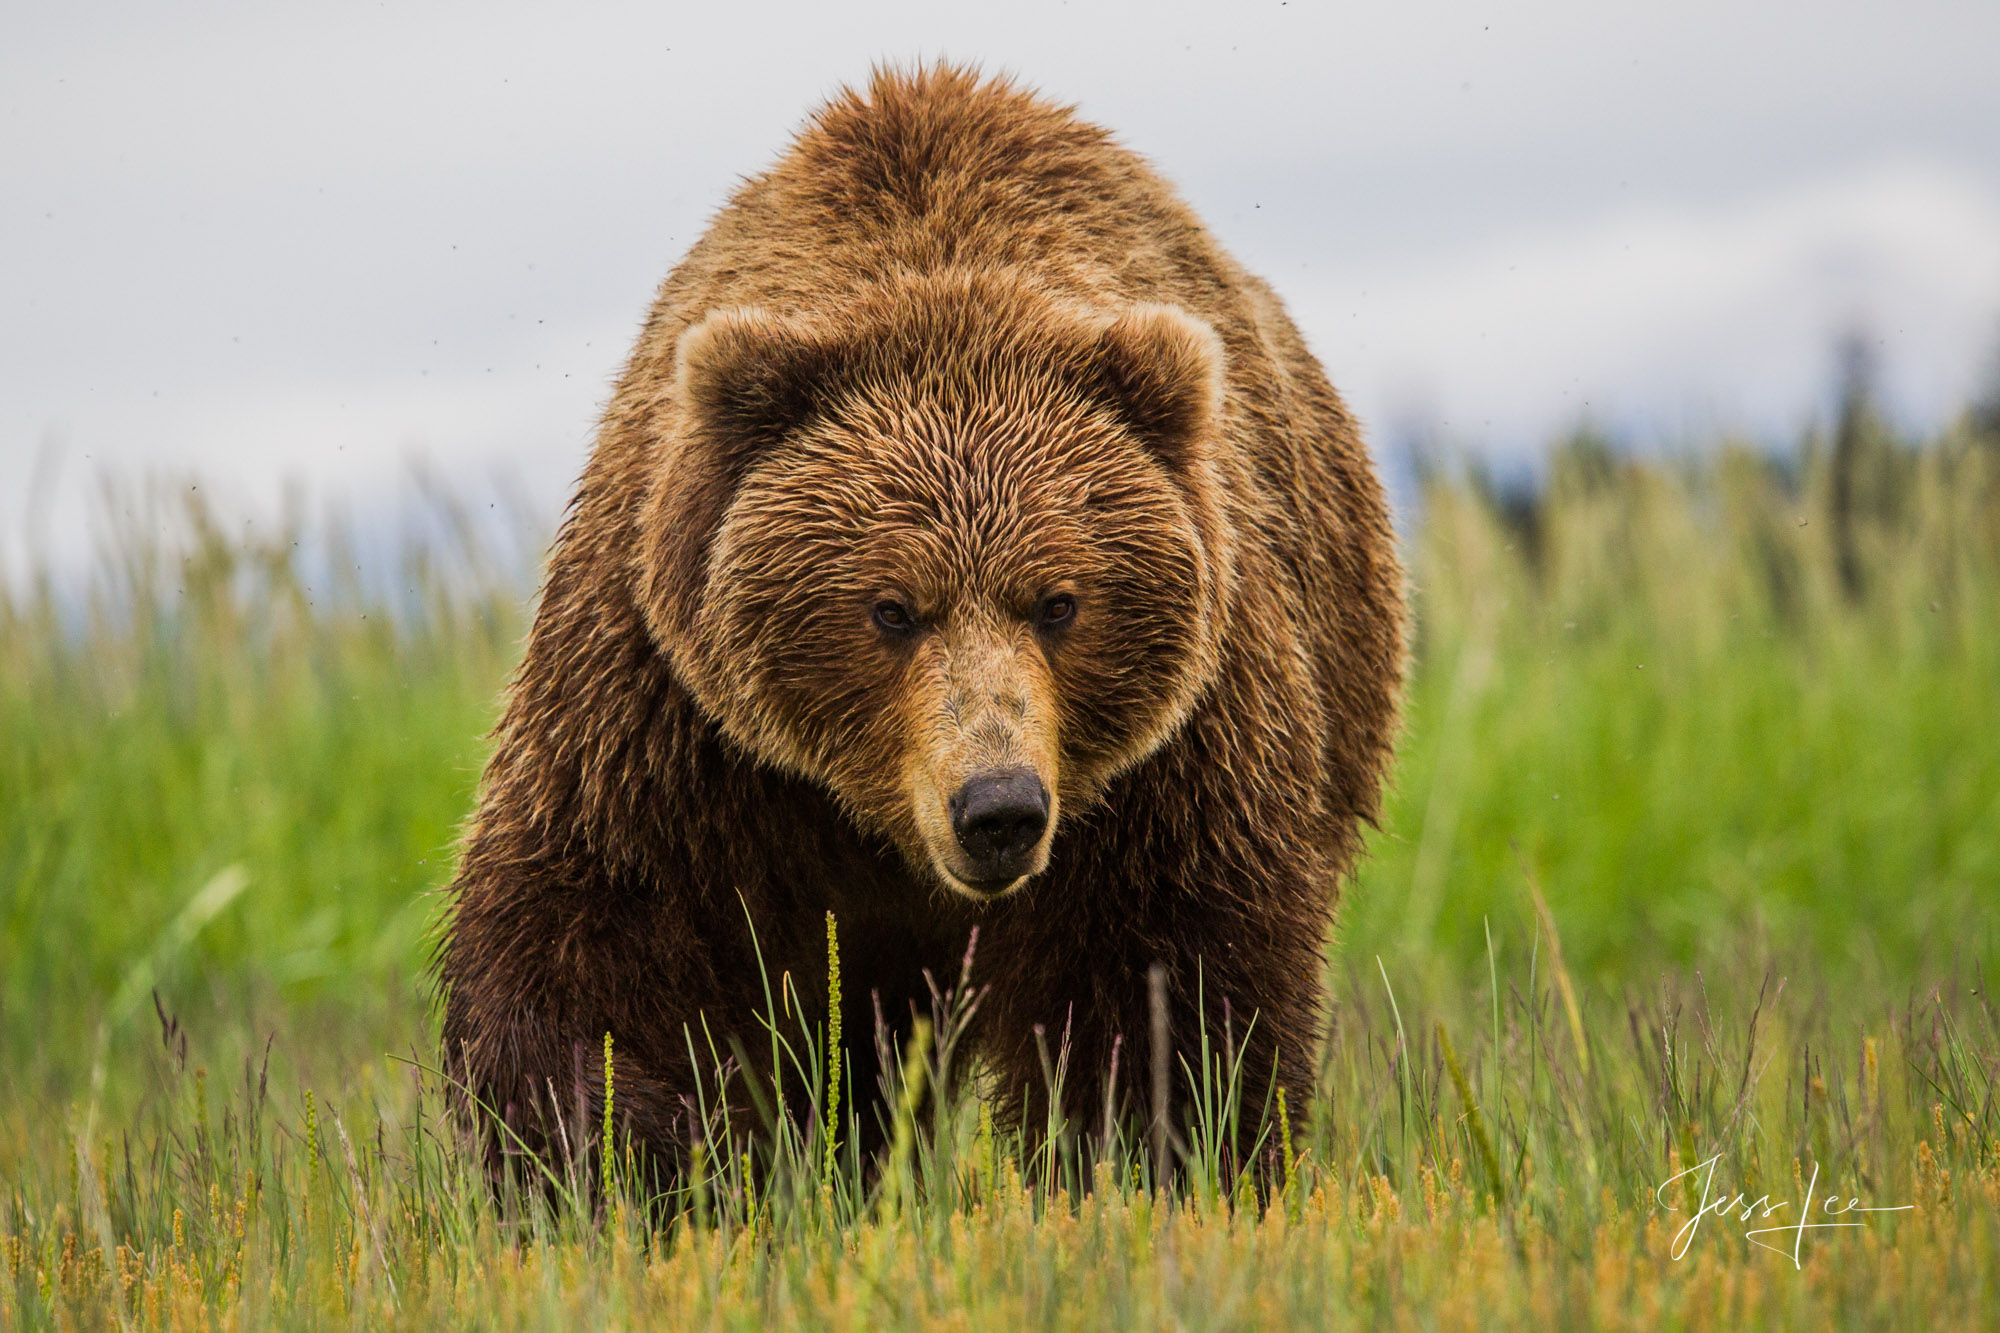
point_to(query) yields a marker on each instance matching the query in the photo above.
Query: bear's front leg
(1211, 1011)
(537, 968)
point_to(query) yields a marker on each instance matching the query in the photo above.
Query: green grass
(1763, 810)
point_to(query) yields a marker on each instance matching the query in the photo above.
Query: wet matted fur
(961, 356)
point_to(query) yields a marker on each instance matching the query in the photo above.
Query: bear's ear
(1162, 369)
(743, 379)
(746, 376)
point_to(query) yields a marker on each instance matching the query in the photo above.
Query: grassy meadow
(1685, 898)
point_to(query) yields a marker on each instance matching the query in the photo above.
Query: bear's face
(961, 576)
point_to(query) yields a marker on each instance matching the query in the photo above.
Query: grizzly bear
(969, 542)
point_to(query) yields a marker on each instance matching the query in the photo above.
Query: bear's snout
(999, 817)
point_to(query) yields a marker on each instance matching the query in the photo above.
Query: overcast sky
(257, 243)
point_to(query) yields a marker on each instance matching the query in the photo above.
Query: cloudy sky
(257, 244)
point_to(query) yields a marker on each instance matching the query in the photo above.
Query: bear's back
(939, 169)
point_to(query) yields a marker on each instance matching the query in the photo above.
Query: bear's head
(956, 552)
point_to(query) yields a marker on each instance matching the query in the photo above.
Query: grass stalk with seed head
(835, 1064)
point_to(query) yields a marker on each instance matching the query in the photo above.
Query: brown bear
(969, 542)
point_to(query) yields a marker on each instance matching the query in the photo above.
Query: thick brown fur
(960, 349)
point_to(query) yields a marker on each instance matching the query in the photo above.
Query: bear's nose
(999, 817)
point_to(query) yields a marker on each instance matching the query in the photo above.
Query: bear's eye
(1056, 612)
(892, 617)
